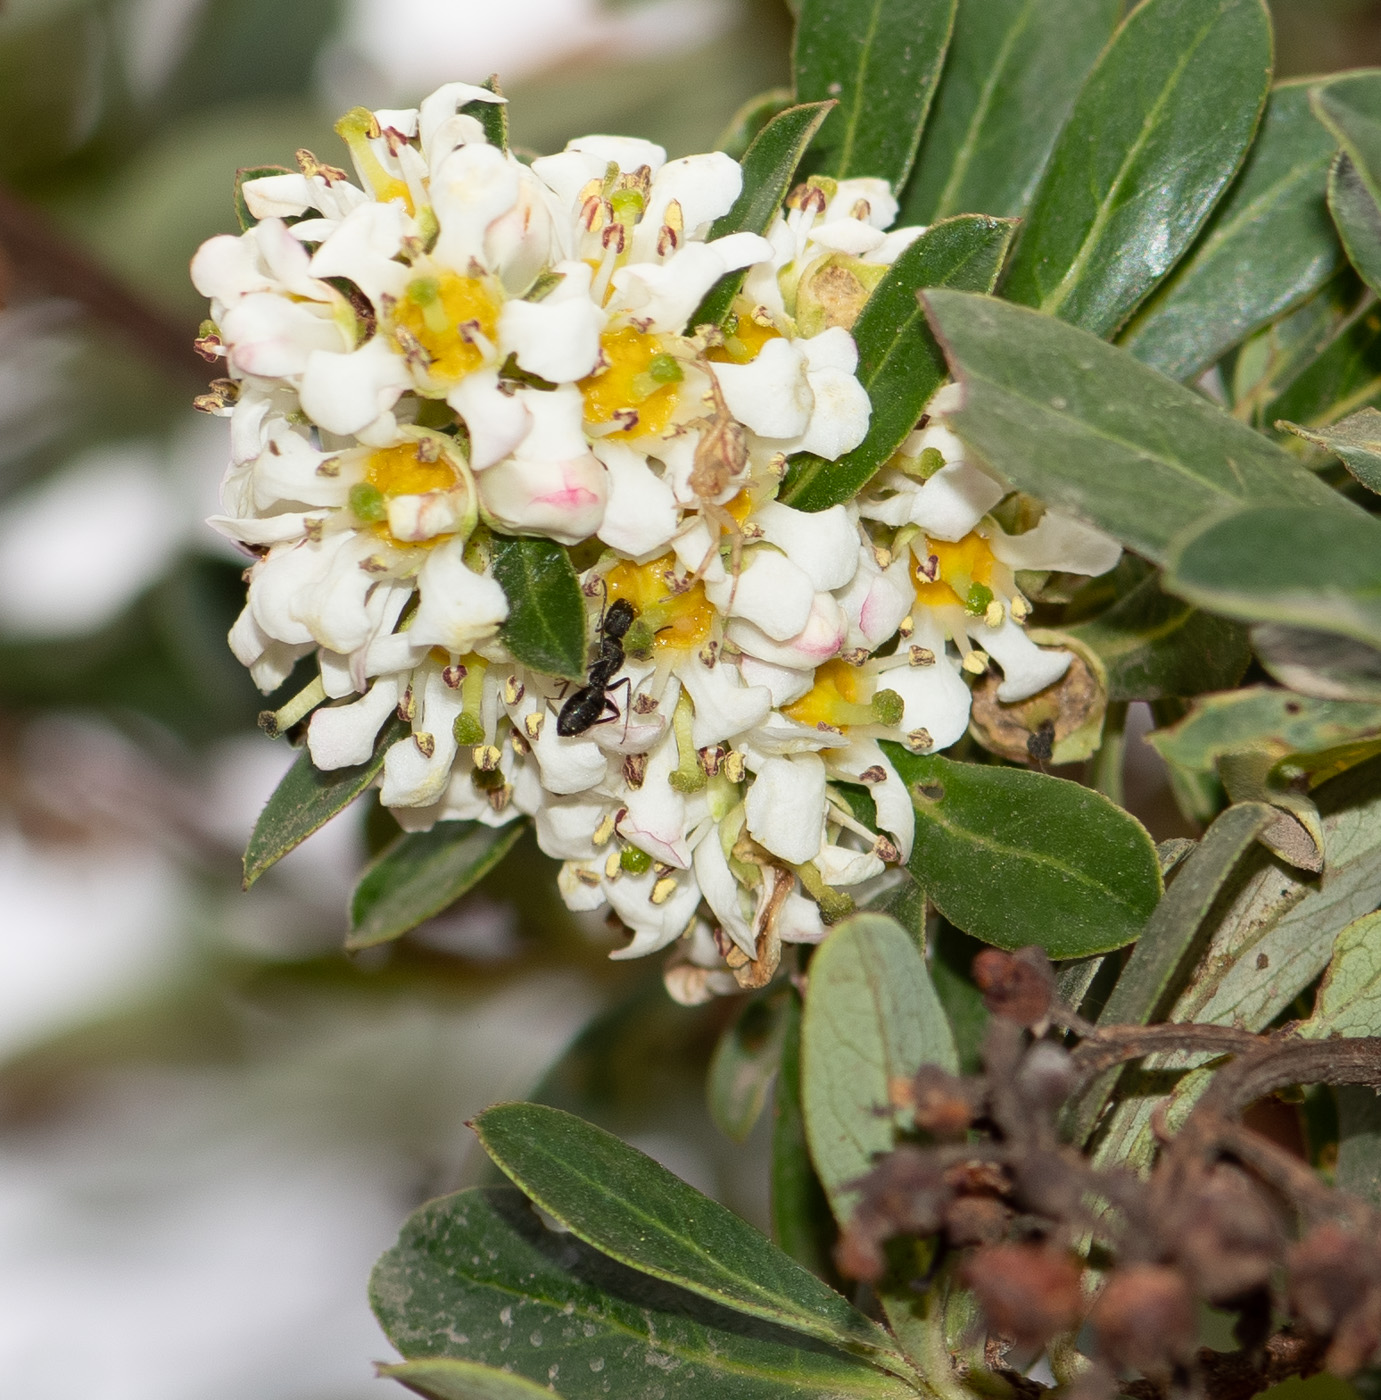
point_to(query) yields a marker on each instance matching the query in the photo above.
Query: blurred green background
(210, 1119)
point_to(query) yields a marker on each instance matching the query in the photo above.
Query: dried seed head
(1226, 1235)
(973, 1220)
(1017, 986)
(1145, 1319)
(1028, 1292)
(1335, 1289)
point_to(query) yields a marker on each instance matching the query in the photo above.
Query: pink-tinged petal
(655, 817)
(562, 500)
(820, 639)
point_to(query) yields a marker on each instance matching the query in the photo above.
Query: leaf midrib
(1066, 286)
(656, 1226)
(856, 108)
(986, 99)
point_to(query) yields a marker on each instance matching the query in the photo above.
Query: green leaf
(1013, 72)
(1350, 107)
(635, 1211)
(447, 1379)
(1315, 568)
(899, 363)
(1087, 871)
(871, 1016)
(1358, 1169)
(1356, 442)
(1275, 722)
(546, 619)
(881, 59)
(1155, 137)
(1319, 663)
(769, 166)
(1153, 645)
(1357, 218)
(492, 116)
(422, 873)
(801, 1221)
(307, 799)
(1338, 373)
(1349, 999)
(745, 1063)
(478, 1273)
(1085, 427)
(252, 172)
(1267, 247)
(749, 120)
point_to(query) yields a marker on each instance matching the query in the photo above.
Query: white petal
(697, 551)
(876, 192)
(655, 819)
(271, 337)
(875, 601)
(799, 921)
(565, 828)
(417, 518)
(1026, 668)
(893, 246)
(654, 925)
(226, 268)
(567, 173)
(705, 186)
(954, 500)
(413, 778)
(276, 665)
(556, 338)
(473, 185)
(272, 529)
(333, 606)
(277, 581)
(363, 248)
(497, 422)
(935, 699)
(581, 895)
(568, 765)
(783, 683)
(441, 105)
(563, 500)
(840, 416)
(341, 736)
(665, 294)
(287, 260)
(345, 393)
(641, 515)
(833, 348)
(770, 592)
(786, 806)
(818, 641)
(847, 236)
(771, 394)
(839, 865)
(286, 470)
(825, 544)
(278, 196)
(723, 893)
(895, 814)
(458, 607)
(524, 239)
(1059, 542)
(629, 153)
(724, 705)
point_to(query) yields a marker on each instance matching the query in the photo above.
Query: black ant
(590, 704)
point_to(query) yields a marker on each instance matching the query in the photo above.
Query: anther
(886, 851)
(513, 690)
(907, 628)
(644, 704)
(733, 766)
(520, 744)
(922, 656)
(919, 741)
(454, 676)
(533, 724)
(1020, 608)
(663, 890)
(876, 774)
(635, 770)
(586, 876)
(613, 866)
(426, 743)
(976, 662)
(930, 567)
(486, 757)
(407, 707)
(604, 830)
(993, 614)
(855, 657)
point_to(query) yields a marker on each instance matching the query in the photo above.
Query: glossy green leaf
(801, 1221)
(1349, 998)
(1322, 664)
(306, 800)
(546, 617)
(635, 1211)
(745, 1063)
(871, 1016)
(899, 363)
(1153, 645)
(769, 165)
(1088, 429)
(1316, 568)
(1357, 218)
(478, 1275)
(1275, 721)
(743, 127)
(1087, 870)
(252, 172)
(881, 59)
(492, 116)
(1349, 106)
(1013, 72)
(1336, 376)
(1267, 247)
(444, 1378)
(1155, 137)
(422, 873)
(1355, 441)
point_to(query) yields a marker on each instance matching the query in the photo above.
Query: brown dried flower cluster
(1048, 1241)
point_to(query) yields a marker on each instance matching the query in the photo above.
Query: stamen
(689, 775)
(425, 742)
(604, 830)
(663, 890)
(276, 722)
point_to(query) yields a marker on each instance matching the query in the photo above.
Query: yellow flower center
(680, 621)
(440, 315)
(743, 338)
(636, 386)
(965, 574)
(839, 697)
(403, 471)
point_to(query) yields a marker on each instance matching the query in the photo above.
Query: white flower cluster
(463, 345)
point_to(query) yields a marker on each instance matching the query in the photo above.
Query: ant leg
(627, 704)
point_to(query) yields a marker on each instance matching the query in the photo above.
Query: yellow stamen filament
(357, 128)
